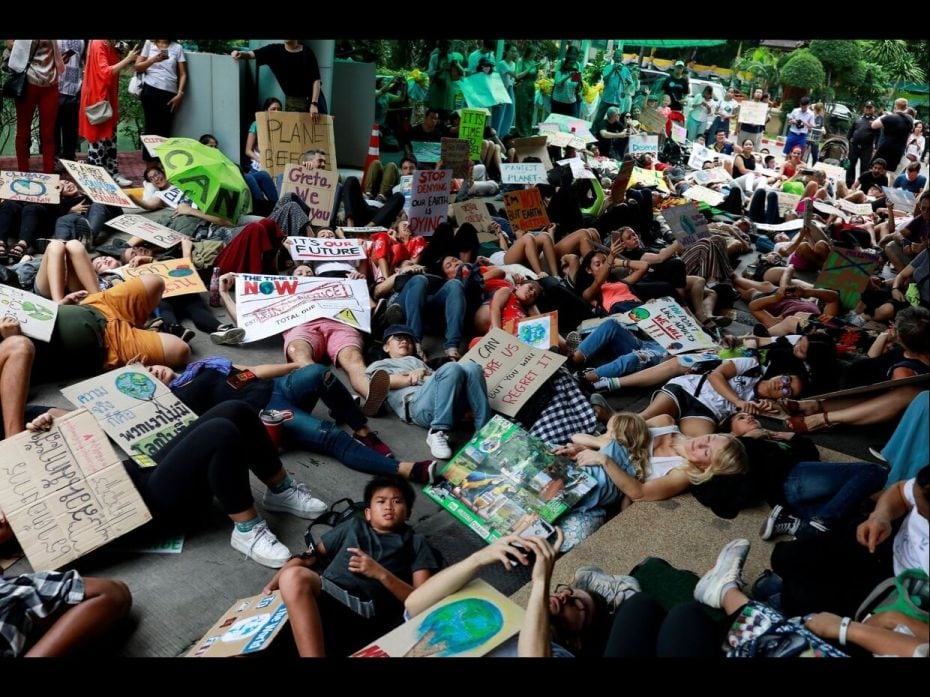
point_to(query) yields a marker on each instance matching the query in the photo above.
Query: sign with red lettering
(325, 249)
(525, 209)
(514, 371)
(180, 276)
(315, 187)
(147, 229)
(666, 323)
(32, 187)
(429, 200)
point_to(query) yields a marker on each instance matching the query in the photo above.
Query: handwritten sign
(703, 194)
(652, 121)
(512, 370)
(753, 113)
(137, 411)
(533, 146)
(315, 187)
(666, 322)
(475, 213)
(787, 201)
(283, 136)
(848, 271)
(65, 492)
(267, 305)
(863, 209)
(579, 171)
(180, 276)
(539, 331)
(250, 625)
(151, 142)
(325, 249)
(687, 223)
(523, 173)
(31, 187)
(426, 152)
(679, 134)
(97, 183)
(525, 209)
(36, 315)
(429, 201)
(471, 128)
(640, 145)
(147, 229)
(455, 155)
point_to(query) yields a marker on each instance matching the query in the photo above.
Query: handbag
(98, 112)
(135, 84)
(15, 85)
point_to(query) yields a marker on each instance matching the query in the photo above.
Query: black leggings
(192, 307)
(211, 457)
(643, 629)
(25, 221)
(361, 213)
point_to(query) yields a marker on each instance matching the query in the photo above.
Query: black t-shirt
(419, 135)
(676, 88)
(210, 387)
(607, 145)
(867, 181)
(295, 72)
(896, 127)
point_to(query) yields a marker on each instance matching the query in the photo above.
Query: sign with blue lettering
(250, 625)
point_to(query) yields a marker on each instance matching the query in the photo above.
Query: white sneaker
(297, 500)
(438, 444)
(121, 181)
(728, 569)
(614, 589)
(260, 544)
(227, 335)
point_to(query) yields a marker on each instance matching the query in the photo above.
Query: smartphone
(614, 237)
(238, 380)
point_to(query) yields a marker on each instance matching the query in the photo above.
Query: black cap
(396, 329)
(870, 103)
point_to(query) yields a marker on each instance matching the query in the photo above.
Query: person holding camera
(566, 92)
(163, 69)
(800, 123)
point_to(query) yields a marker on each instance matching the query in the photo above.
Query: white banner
(148, 230)
(325, 249)
(523, 173)
(666, 322)
(36, 315)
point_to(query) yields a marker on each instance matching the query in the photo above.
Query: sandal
(793, 407)
(17, 250)
(4, 254)
(799, 425)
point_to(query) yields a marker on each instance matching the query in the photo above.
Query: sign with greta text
(429, 200)
(97, 183)
(179, 275)
(267, 305)
(65, 492)
(31, 187)
(523, 173)
(525, 209)
(250, 625)
(325, 249)
(666, 322)
(315, 187)
(284, 136)
(147, 229)
(471, 128)
(513, 370)
(136, 410)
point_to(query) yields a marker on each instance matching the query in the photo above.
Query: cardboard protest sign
(267, 305)
(863, 209)
(652, 121)
(484, 90)
(847, 271)
(523, 173)
(622, 182)
(466, 624)
(250, 625)
(471, 128)
(148, 230)
(715, 175)
(787, 202)
(679, 134)
(315, 187)
(150, 142)
(283, 136)
(753, 113)
(35, 314)
(365, 231)
(429, 201)
(834, 172)
(525, 209)
(703, 194)
(426, 152)
(137, 411)
(648, 177)
(640, 145)
(579, 171)
(506, 481)
(666, 322)
(455, 153)
(539, 331)
(902, 199)
(97, 183)
(180, 276)
(65, 492)
(513, 370)
(569, 124)
(325, 249)
(473, 212)
(687, 223)
(534, 146)
(31, 187)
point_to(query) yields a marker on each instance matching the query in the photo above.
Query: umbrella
(207, 176)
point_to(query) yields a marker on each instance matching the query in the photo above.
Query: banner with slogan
(753, 113)
(250, 625)
(666, 322)
(135, 409)
(525, 209)
(523, 173)
(315, 187)
(283, 136)
(455, 155)
(151, 141)
(35, 314)
(429, 200)
(267, 305)
(148, 230)
(65, 491)
(484, 90)
(97, 183)
(471, 128)
(325, 249)
(533, 146)
(475, 213)
(848, 271)
(513, 370)
(180, 276)
(31, 187)
(640, 145)
(687, 223)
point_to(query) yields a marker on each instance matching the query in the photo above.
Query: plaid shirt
(70, 82)
(568, 413)
(33, 595)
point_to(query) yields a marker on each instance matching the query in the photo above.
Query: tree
(803, 69)
(762, 65)
(837, 57)
(897, 61)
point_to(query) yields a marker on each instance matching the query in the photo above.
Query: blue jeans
(610, 338)
(831, 491)
(73, 226)
(447, 302)
(298, 392)
(438, 403)
(261, 185)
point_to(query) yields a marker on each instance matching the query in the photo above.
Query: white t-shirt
(743, 385)
(727, 107)
(163, 75)
(660, 465)
(912, 543)
(806, 116)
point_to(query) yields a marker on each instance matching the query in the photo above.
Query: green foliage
(592, 71)
(836, 55)
(221, 46)
(131, 119)
(897, 59)
(803, 69)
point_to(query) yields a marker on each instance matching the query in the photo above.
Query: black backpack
(341, 511)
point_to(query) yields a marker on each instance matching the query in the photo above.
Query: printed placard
(848, 271)
(325, 249)
(97, 183)
(752, 113)
(455, 153)
(426, 152)
(703, 194)
(513, 370)
(151, 142)
(250, 625)
(471, 128)
(180, 276)
(473, 212)
(539, 331)
(429, 201)
(523, 173)
(283, 136)
(533, 146)
(466, 624)
(640, 145)
(666, 322)
(35, 314)
(65, 491)
(652, 121)
(137, 411)
(148, 230)
(687, 223)
(679, 134)
(267, 305)
(31, 187)
(315, 187)
(525, 209)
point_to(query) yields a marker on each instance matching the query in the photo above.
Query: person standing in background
(618, 85)
(69, 98)
(42, 63)
(861, 140)
(295, 68)
(164, 70)
(527, 70)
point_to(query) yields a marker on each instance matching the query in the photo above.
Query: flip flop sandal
(4, 254)
(17, 250)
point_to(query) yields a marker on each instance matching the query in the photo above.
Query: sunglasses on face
(785, 381)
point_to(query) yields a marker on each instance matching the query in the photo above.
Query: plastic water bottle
(215, 288)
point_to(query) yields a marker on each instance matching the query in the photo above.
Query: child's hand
(591, 458)
(361, 563)
(43, 422)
